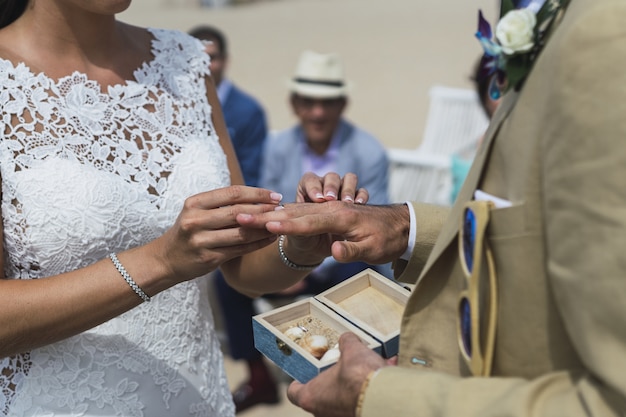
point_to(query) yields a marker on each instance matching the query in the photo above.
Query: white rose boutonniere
(516, 31)
(519, 38)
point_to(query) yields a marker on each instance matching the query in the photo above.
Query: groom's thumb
(344, 251)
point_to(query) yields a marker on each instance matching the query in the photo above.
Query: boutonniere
(519, 37)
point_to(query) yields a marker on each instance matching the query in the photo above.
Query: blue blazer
(247, 127)
(359, 153)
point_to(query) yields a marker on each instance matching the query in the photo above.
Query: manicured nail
(359, 201)
(348, 198)
(244, 216)
(331, 194)
(319, 195)
(276, 196)
(281, 207)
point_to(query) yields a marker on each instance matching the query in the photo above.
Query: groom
(528, 290)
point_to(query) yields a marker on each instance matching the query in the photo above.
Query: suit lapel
(450, 228)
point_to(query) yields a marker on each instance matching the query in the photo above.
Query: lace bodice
(85, 173)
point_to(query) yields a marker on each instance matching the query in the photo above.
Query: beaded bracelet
(120, 268)
(287, 261)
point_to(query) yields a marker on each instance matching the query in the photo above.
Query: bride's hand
(206, 233)
(331, 186)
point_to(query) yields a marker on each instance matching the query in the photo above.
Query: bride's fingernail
(348, 198)
(319, 195)
(331, 194)
(281, 207)
(359, 201)
(276, 196)
(244, 216)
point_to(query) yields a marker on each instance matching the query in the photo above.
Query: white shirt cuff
(412, 233)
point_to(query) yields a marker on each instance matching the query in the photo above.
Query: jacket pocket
(508, 222)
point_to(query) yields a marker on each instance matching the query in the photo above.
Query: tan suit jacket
(557, 151)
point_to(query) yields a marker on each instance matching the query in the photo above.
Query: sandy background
(393, 50)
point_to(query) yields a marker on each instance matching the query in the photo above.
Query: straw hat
(319, 76)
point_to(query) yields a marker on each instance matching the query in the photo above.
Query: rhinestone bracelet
(287, 261)
(120, 268)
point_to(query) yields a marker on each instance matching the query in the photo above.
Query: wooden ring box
(367, 304)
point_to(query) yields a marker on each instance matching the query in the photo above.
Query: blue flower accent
(491, 61)
(522, 4)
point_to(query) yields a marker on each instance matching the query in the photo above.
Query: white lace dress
(75, 188)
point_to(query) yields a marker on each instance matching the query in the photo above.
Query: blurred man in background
(244, 116)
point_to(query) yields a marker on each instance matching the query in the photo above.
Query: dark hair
(10, 10)
(211, 33)
(482, 85)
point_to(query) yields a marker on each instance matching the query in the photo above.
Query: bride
(120, 190)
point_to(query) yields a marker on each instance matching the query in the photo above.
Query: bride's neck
(107, 51)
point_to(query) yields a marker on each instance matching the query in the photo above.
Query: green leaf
(546, 12)
(542, 15)
(516, 70)
(505, 7)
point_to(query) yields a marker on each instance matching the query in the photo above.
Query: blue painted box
(367, 304)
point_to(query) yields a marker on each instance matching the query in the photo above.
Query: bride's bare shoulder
(9, 44)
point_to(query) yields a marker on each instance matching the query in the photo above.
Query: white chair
(454, 123)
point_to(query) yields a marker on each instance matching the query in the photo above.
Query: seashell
(315, 344)
(295, 333)
(331, 354)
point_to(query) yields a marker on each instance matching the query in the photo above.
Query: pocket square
(498, 202)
